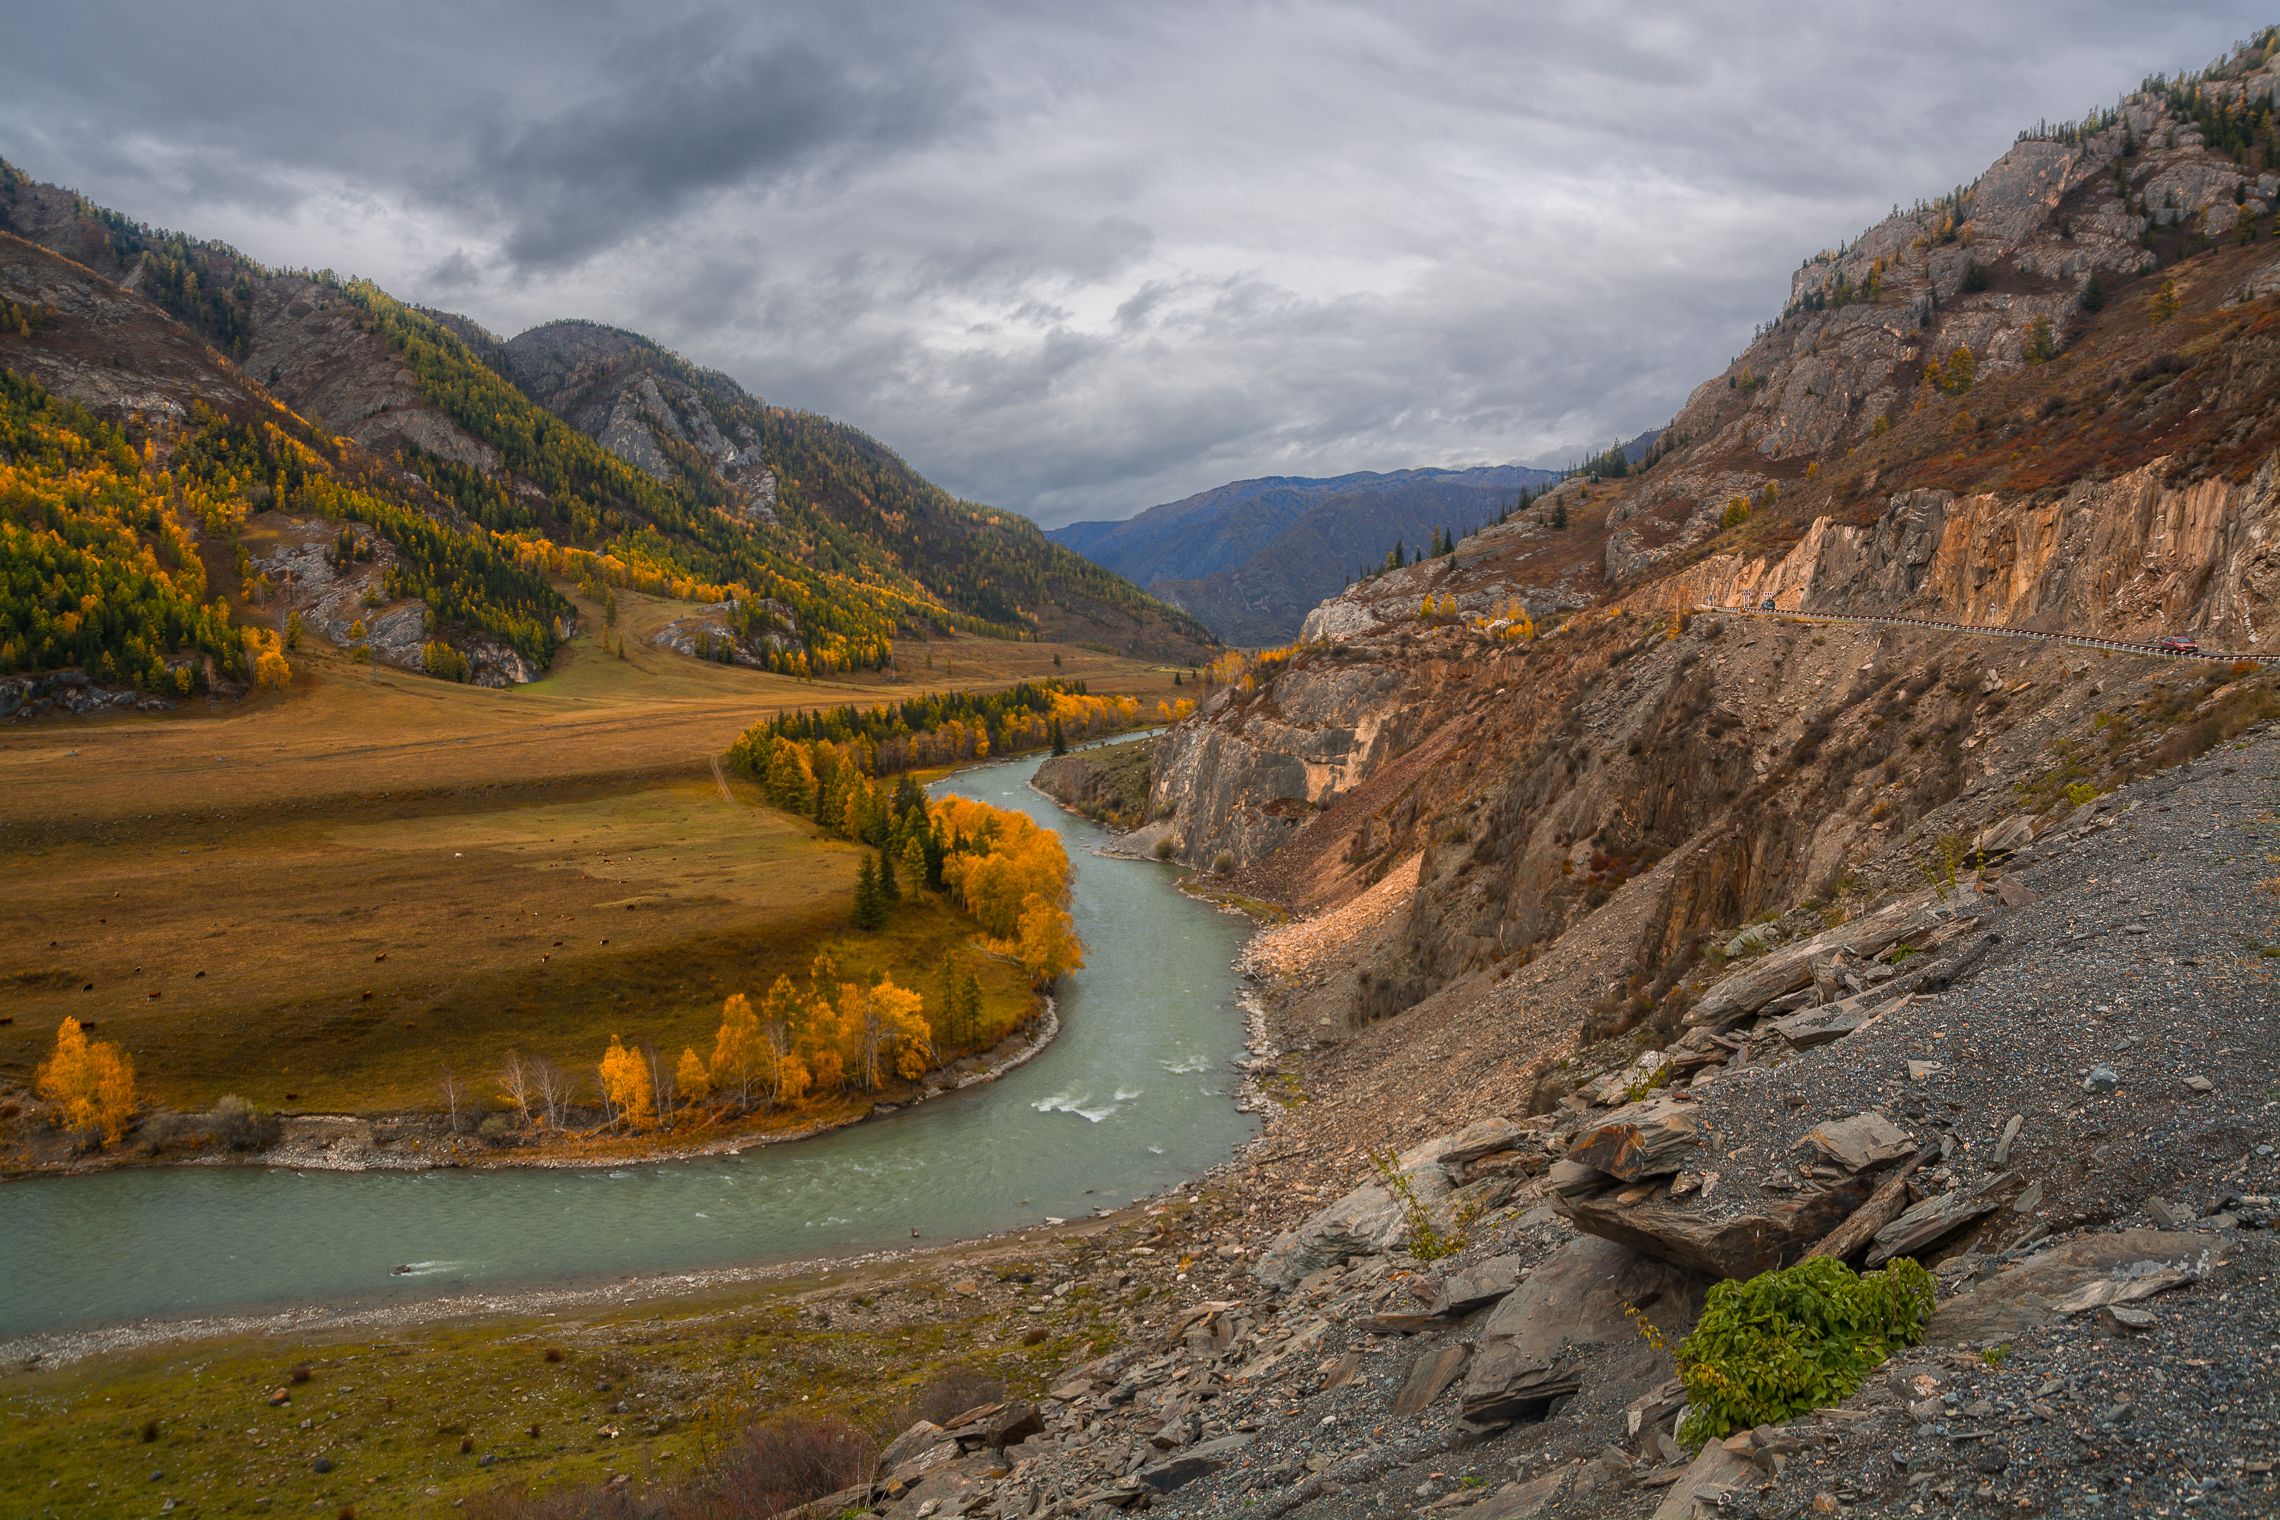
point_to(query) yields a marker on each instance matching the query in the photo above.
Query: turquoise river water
(1136, 1095)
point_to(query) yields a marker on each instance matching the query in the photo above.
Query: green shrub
(1770, 1348)
(243, 1127)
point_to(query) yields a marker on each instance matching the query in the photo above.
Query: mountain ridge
(808, 583)
(1251, 556)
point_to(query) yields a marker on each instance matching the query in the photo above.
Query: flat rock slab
(1519, 1501)
(2034, 1292)
(1937, 1217)
(1712, 1475)
(1429, 1376)
(1860, 1142)
(1365, 1222)
(1884, 1205)
(1790, 969)
(1818, 1026)
(1686, 1233)
(1470, 1288)
(1554, 1330)
(1482, 1137)
(925, 1440)
(1196, 1462)
(1014, 1423)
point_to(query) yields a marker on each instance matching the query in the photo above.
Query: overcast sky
(1078, 259)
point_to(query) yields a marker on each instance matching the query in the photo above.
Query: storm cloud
(1076, 260)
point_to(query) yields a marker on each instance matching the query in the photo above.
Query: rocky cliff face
(614, 386)
(1105, 782)
(1595, 794)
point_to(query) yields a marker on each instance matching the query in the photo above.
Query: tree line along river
(1134, 1096)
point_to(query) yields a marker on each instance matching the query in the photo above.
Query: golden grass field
(323, 899)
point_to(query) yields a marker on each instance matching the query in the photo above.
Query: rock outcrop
(1106, 782)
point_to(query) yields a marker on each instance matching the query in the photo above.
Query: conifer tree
(970, 1008)
(2165, 302)
(946, 999)
(870, 908)
(890, 890)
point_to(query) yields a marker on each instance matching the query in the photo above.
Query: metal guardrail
(2080, 641)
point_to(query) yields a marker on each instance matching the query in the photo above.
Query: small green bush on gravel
(1782, 1342)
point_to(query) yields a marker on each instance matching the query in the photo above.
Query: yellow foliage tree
(1009, 857)
(91, 1082)
(626, 1087)
(792, 1079)
(2165, 302)
(1048, 944)
(266, 654)
(740, 1055)
(1509, 624)
(691, 1077)
(886, 1028)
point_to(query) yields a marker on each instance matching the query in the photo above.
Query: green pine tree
(1060, 740)
(946, 1002)
(970, 1007)
(870, 910)
(890, 890)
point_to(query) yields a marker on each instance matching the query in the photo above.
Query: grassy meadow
(325, 898)
(419, 1419)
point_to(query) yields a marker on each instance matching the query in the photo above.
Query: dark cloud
(1077, 260)
(700, 109)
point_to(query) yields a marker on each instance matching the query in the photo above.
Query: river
(1135, 1096)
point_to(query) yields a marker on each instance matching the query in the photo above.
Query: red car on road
(2178, 644)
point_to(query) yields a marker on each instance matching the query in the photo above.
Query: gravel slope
(2141, 957)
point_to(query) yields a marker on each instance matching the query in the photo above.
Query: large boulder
(1705, 1236)
(1650, 1138)
(1567, 1323)
(1366, 1222)
(1790, 968)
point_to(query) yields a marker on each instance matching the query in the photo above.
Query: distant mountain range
(1251, 558)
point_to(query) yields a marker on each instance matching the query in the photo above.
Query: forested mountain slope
(117, 316)
(134, 464)
(857, 504)
(1251, 557)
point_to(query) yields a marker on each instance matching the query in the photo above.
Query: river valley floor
(1345, 1394)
